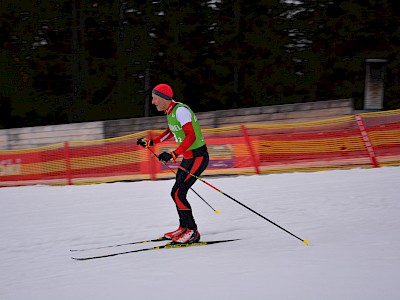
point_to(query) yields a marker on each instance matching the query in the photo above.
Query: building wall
(278, 114)
(31, 137)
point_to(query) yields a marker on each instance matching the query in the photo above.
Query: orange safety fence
(363, 140)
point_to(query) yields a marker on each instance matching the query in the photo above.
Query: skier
(184, 127)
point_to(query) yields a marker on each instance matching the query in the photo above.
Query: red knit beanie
(164, 91)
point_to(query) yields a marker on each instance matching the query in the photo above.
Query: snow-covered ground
(351, 218)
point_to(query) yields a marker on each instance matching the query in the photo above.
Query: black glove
(165, 156)
(144, 142)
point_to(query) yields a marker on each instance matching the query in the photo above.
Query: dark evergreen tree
(342, 35)
(246, 60)
(183, 36)
(36, 45)
(72, 60)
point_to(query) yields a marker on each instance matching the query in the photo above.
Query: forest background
(69, 61)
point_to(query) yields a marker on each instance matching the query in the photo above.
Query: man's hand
(145, 142)
(165, 156)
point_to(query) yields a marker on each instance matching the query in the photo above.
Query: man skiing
(184, 127)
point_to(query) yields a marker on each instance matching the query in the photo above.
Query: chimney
(374, 84)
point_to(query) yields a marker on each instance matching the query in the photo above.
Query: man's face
(159, 102)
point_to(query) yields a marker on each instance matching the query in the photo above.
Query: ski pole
(215, 210)
(238, 202)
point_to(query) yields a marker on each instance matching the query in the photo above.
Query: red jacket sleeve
(167, 134)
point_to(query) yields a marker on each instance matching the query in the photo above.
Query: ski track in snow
(350, 217)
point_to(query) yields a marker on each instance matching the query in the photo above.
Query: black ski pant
(183, 183)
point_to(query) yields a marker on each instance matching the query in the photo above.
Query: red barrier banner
(342, 143)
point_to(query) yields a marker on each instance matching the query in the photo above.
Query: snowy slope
(351, 219)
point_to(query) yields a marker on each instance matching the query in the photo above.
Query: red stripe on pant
(197, 163)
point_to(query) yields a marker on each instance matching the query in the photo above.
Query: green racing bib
(176, 128)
